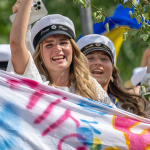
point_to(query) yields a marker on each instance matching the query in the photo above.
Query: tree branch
(111, 20)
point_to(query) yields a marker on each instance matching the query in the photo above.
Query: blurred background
(129, 56)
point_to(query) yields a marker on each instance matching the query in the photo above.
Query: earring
(41, 62)
(112, 79)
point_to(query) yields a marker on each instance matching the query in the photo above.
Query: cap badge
(53, 27)
(97, 44)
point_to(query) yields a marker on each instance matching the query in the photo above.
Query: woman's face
(57, 53)
(101, 67)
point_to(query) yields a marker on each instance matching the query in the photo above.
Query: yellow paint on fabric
(96, 143)
(148, 148)
(127, 140)
(137, 123)
(115, 35)
(125, 135)
(143, 132)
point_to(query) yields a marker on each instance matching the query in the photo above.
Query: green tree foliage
(129, 56)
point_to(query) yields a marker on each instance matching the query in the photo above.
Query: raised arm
(19, 53)
(145, 57)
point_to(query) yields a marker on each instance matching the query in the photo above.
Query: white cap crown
(5, 52)
(49, 25)
(99, 42)
(138, 74)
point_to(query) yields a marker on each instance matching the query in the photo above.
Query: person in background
(100, 52)
(138, 74)
(57, 61)
(5, 54)
(145, 57)
(146, 83)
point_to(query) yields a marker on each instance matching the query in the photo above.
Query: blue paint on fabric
(9, 126)
(87, 134)
(90, 107)
(91, 127)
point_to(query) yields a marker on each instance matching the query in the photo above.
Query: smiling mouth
(58, 58)
(97, 72)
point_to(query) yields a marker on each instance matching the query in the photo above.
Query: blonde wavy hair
(79, 73)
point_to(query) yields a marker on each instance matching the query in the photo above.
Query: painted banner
(34, 116)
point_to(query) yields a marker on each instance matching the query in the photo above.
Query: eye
(104, 59)
(49, 45)
(90, 58)
(63, 43)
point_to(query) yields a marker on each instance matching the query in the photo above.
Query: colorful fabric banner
(34, 116)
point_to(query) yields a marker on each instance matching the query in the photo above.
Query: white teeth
(58, 57)
(98, 71)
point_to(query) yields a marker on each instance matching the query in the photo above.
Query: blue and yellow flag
(122, 18)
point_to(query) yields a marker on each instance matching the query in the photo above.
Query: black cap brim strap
(97, 46)
(3, 64)
(51, 30)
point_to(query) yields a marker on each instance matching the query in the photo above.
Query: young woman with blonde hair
(57, 61)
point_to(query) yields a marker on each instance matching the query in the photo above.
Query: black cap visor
(51, 30)
(53, 33)
(101, 49)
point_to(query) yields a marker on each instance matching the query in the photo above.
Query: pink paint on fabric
(13, 83)
(76, 121)
(74, 135)
(57, 123)
(47, 111)
(137, 141)
(34, 99)
(64, 117)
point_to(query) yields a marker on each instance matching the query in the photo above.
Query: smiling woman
(57, 61)
(101, 55)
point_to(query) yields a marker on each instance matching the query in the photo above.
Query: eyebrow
(53, 40)
(105, 54)
(48, 41)
(64, 39)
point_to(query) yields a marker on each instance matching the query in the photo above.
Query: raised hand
(16, 6)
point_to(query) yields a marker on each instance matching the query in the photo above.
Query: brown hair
(117, 89)
(79, 74)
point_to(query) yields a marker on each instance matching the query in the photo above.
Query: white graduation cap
(5, 52)
(138, 74)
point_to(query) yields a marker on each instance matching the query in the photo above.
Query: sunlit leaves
(146, 16)
(98, 16)
(88, 4)
(125, 35)
(131, 15)
(139, 19)
(145, 94)
(82, 3)
(144, 37)
(107, 27)
(128, 4)
(143, 88)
